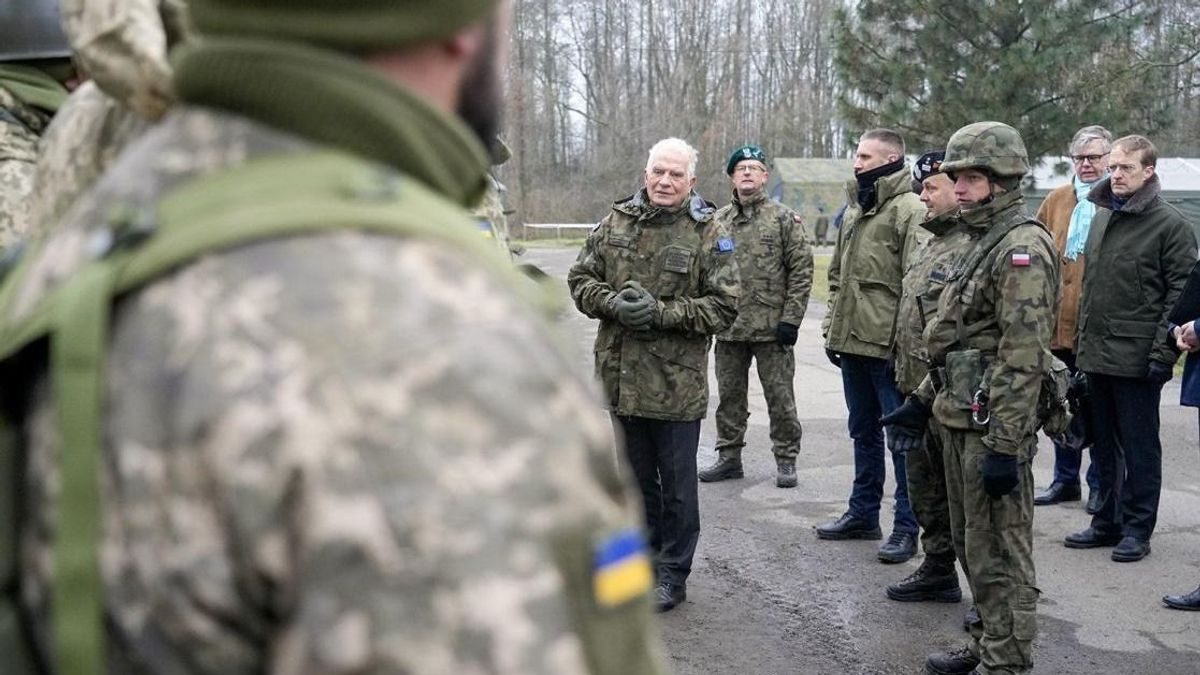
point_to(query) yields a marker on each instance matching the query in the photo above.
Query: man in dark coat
(1140, 250)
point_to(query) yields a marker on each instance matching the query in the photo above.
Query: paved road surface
(767, 598)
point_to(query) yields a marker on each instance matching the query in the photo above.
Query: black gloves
(634, 307)
(999, 474)
(906, 425)
(1160, 373)
(786, 333)
(834, 357)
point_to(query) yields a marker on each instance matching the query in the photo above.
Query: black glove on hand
(999, 474)
(834, 357)
(633, 309)
(787, 333)
(1160, 373)
(1077, 386)
(906, 425)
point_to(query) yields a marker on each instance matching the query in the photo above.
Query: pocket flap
(1132, 329)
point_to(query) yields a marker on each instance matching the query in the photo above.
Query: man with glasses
(1068, 214)
(776, 266)
(1140, 252)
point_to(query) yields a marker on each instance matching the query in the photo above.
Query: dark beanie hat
(350, 25)
(743, 153)
(928, 164)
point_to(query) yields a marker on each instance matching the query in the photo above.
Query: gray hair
(1091, 133)
(677, 145)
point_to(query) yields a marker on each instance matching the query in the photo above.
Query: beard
(480, 96)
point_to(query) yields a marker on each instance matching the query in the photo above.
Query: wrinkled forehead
(669, 160)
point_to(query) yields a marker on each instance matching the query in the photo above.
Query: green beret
(350, 25)
(743, 153)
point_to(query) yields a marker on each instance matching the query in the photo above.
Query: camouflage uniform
(1006, 310)
(931, 267)
(775, 264)
(21, 125)
(683, 257)
(332, 453)
(123, 45)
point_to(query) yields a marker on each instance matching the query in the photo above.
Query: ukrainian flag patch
(621, 569)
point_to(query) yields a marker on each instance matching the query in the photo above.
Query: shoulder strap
(322, 191)
(984, 250)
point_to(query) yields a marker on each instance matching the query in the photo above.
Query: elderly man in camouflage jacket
(879, 231)
(660, 275)
(776, 266)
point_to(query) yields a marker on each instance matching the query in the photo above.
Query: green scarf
(337, 101)
(32, 86)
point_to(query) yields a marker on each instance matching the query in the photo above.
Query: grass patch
(820, 289)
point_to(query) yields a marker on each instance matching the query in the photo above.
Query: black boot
(724, 469)
(958, 662)
(935, 580)
(785, 476)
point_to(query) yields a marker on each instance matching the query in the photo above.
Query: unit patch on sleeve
(1021, 258)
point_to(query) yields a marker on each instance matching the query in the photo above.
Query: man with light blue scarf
(1068, 215)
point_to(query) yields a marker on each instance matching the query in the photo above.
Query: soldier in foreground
(879, 230)
(660, 275)
(324, 432)
(775, 264)
(933, 265)
(35, 61)
(122, 45)
(989, 343)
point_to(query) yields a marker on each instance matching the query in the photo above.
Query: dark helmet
(31, 30)
(987, 146)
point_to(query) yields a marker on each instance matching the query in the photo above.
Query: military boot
(958, 662)
(724, 469)
(935, 580)
(785, 476)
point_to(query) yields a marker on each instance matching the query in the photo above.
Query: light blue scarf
(1081, 220)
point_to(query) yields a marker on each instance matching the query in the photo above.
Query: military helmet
(31, 30)
(990, 146)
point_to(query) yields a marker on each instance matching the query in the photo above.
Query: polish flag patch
(1020, 259)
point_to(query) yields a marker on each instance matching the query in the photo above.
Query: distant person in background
(821, 228)
(1068, 214)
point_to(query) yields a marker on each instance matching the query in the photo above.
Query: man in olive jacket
(776, 267)
(879, 231)
(659, 274)
(1140, 251)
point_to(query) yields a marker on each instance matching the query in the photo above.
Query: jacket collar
(983, 217)
(1102, 195)
(749, 206)
(638, 205)
(887, 187)
(942, 223)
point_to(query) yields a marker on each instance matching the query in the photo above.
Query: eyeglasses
(751, 168)
(1093, 159)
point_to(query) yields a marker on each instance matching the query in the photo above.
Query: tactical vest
(962, 379)
(67, 334)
